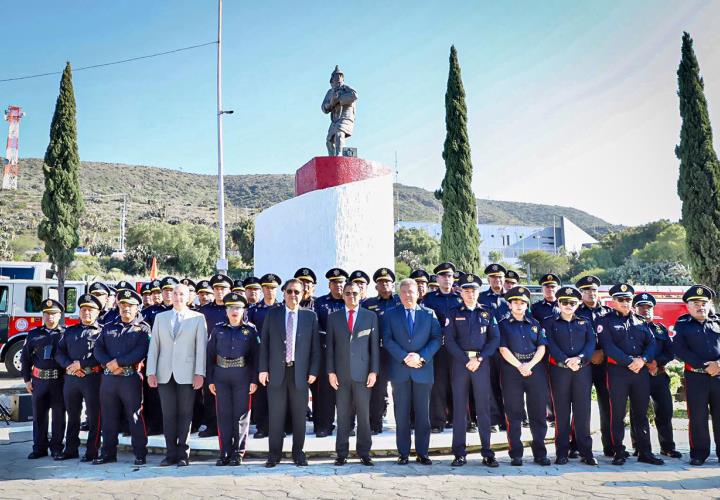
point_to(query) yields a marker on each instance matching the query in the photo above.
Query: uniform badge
(581, 323)
(699, 291)
(644, 296)
(521, 290)
(534, 329)
(623, 287)
(336, 272)
(568, 290)
(305, 272)
(48, 303)
(136, 329)
(383, 272)
(245, 331)
(484, 315)
(494, 267)
(470, 277)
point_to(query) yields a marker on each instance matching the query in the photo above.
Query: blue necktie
(410, 322)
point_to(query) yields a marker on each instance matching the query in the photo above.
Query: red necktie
(350, 320)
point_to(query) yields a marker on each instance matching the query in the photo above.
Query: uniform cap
(251, 282)
(383, 274)
(221, 280)
(155, 286)
(518, 293)
(699, 292)
(337, 274)
(644, 298)
(189, 283)
(89, 300)
(433, 279)
(203, 286)
(420, 275)
(98, 288)
(306, 274)
(234, 299)
(549, 279)
(569, 293)
(495, 270)
(238, 286)
(445, 267)
(52, 306)
(359, 277)
(271, 280)
(470, 280)
(123, 285)
(622, 290)
(588, 281)
(512, 275)
(127, 296)
(146, 288)
(168, 282)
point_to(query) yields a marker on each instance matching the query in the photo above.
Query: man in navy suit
(411, 334)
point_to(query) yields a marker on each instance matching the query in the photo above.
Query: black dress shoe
(635, 453)
(626, 454)
(423, 460)
(651, 459)
(322, 434)
(671, 453)
(57, 456)
(167, 462)
(66, 456)
(87, 459)
(574, 454)
(222, 461)
(104, 460)
(449, 425)
(517, 462)
(696, 462)
(270, 464)
(490, 462)
(259, 435)
(35, 455)
(493, 429)
(183, 462)
(459, 461)
(561, 460)
(525, 424)
(436, 430)
(502, 427)
(301, 461)
(340, 461)
(471, 428)
(589, 461)
(140, 461)
(402, 460)
(619, 459)
(367, 461)
(235, 460)
(544, 461)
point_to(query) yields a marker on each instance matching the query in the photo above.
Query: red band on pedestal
(323, 172)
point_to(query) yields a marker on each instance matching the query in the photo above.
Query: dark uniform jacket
(39, 351)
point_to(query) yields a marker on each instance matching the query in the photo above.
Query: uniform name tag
(364, 333)
(459, 319)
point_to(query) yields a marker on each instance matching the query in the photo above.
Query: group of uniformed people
(504, 363)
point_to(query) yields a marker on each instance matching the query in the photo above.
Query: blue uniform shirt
(521, 337)
(149, 314)
(663, 344)
(494, 302)
(442, 304)
(233, 342)
(593, 314)
(569, 339)
(543, 309)
(475, 330)
(324, 306)
(697, 342)
(378, 305)
(39, 350)
(127, 343)
(625, 337)
(215, 314)
(77, 344)
(257, 312)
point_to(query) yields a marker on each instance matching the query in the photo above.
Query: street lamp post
(222, 264)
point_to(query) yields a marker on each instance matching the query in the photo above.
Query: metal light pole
(222, 265)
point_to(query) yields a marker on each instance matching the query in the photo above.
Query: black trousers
(47, 397)
(279, 398)
(353, 399)
(75, 391)
(441, 394)
(661, 400)
(122, 397)
(468, 385)
(571, 395)
(623, 384)
(259, 414)
(703, 400)
(497, 408)
(409, 396)
(535, 389)
(232, 386)
(177, 409)
(323, 403)
(378, 397)
(152, 409)
(209, 412)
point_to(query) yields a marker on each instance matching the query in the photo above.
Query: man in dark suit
(411, 333)
(289, 363)
(353, 362)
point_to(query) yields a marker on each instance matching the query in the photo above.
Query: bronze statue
(340, 103)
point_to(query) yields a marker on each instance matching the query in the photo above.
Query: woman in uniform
(232, 353)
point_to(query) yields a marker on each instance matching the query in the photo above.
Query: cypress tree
(460, 241)
(699, 181)
(62, 202)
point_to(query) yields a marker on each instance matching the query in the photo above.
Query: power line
(157, 54)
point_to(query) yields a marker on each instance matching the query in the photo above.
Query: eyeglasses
(292, 291)
(568, 302)
(351, 294)
(622, 299)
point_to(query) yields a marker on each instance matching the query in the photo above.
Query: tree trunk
(61, 291)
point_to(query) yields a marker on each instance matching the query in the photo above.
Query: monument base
(342, 216)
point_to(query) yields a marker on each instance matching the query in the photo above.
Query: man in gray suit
(289, 363)
(176, 365)
(353, 362)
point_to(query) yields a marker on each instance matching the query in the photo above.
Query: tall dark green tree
(62, 202)
(699, 182)
(460, 241)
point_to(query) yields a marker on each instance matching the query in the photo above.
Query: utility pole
(222, 265)
(397, 198)
(123, 217)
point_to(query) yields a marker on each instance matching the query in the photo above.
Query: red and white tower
(11, 168)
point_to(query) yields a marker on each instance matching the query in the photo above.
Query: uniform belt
(223, 362)
(472, 354)
(45, 374)
(89, 369)
(524, 357)
(694, 370)
(557, 363)
(127, 371)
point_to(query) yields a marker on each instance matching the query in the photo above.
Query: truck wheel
(12, 359)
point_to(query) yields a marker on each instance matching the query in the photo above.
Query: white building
(513, 241)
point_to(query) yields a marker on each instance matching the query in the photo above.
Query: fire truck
(669, 307)
(21, 311)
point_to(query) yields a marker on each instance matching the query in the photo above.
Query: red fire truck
(21, 311)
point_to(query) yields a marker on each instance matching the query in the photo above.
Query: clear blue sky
(570, 103)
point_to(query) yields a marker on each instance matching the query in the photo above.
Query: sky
(569, 103)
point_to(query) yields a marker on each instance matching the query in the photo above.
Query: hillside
(164, 194)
